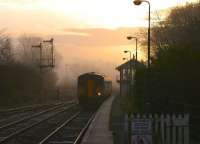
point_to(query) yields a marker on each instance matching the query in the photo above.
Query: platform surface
(98, 132)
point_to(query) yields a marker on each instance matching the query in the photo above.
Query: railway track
(25, 108)
(23, 114)
(72, 130)
(65, 125)
(14, 111)
(13, 129)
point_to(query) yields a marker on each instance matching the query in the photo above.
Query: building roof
(128, 63)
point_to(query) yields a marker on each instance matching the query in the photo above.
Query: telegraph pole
(46, 59)
(40, 60)
(50, 62)
(40, 66)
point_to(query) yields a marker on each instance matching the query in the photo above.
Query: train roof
(96, 74)
(91, 73)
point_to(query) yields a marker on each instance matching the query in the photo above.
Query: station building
(126, 75)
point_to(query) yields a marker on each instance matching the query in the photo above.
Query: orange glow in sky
(82, 29)
(58, 14)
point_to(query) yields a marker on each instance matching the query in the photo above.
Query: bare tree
(181, 27)
(28, 54)
(6, 56)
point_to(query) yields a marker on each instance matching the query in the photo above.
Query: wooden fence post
(186, 129)
(168, 129)
(168, 123)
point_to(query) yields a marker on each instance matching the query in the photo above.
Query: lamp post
(138, 2)
(129, 100)
(136, 41)
(127, 51)
(130, 66)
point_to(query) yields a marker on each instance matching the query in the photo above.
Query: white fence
(168, 129)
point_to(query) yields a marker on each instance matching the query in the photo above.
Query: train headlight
(99, 94)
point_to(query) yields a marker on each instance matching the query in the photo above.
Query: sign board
(141, 131)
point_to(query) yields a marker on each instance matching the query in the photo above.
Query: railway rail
(23, 114)
(72, 130)
(13, 129)
(46, 124)
(68, 125)
(11, 111)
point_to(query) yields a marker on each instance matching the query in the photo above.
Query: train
(93, 89)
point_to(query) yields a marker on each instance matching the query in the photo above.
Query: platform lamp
(136, 47)
(129, 100)
(138, 2)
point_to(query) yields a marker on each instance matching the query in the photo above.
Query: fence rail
(166, 128)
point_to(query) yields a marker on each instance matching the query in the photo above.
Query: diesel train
(93, 89)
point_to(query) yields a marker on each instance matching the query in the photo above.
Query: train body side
(93, 89)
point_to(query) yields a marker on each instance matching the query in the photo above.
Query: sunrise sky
(84, 30)
(52, 16)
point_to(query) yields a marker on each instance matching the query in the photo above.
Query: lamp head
(129, 37)
(137, 2)
(124, 58)
(125, 51)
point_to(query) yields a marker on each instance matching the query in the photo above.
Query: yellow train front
(93, 89)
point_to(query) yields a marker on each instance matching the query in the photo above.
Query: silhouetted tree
(21, 83)
(29, 55)
(6, 50)
(171, 84)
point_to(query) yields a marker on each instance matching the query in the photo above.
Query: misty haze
(99, 72)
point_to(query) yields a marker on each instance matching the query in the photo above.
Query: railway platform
(98, 132)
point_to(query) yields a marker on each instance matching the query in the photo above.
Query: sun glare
(109, 14)
(94, 13)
